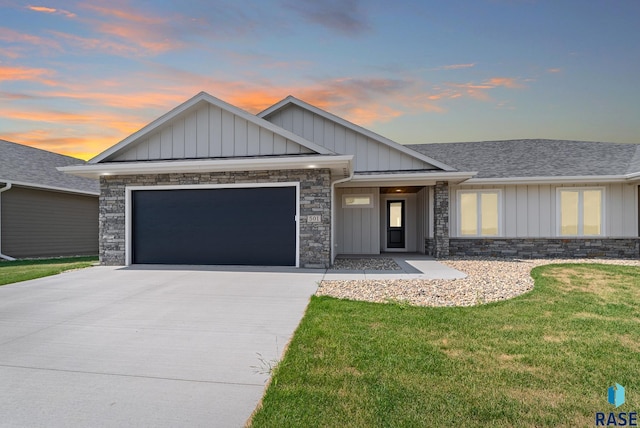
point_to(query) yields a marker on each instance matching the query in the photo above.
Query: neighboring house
(209, 183)
(44, 212)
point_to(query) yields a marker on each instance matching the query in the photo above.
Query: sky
(76, 77)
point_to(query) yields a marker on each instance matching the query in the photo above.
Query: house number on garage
(314, 219)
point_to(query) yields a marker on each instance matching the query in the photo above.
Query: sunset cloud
(455, 66)
(345, 16)
(554, 70)
(45, 9)
(96, 44)
(507, 82)
(480, 91)
(14, 37)
(39, 75)
(122, 123)
(82, 147)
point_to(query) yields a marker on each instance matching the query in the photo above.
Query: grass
(23, 270)
(543, 359)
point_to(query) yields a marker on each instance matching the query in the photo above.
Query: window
(357, 201)
(580, 212)
(479, 213)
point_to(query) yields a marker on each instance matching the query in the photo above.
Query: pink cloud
(39, 75)
(455, 66)
(12, 36)
(143, 31)
(45, 9)
(507, 82)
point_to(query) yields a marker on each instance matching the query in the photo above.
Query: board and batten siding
(39, 223)
(358, 229)
(210, 132)
(369, 154)
(529, 211)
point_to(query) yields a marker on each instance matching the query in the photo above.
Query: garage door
(231, 226)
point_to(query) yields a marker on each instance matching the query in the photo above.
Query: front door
(395, 224)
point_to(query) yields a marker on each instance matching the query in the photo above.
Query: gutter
(209, 165)
(554, 179)
(333, 210)
(3, 256)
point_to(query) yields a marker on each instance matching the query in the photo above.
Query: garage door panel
(250, 226)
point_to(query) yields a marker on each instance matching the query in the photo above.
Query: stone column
(441, 219)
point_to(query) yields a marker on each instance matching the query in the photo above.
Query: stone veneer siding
(315, 199)
(439, 245)
(546, 247)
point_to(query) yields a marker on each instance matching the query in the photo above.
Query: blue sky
(77, 77)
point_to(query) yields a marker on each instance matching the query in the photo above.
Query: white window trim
(603, 211)
(357, 195)
(129, 207)
(459, 194)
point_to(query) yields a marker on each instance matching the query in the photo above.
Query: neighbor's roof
(33, 167)
(537, 158)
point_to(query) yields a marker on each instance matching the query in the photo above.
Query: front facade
(209, 183)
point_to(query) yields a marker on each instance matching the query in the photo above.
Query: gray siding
(38, 223)
(358, 229)
(209, 132)
(369, 154)
(529, 211)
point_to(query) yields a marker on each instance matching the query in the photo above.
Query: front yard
(23, 270)
(542, 359)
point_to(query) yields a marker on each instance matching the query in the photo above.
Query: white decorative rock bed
(487, 281)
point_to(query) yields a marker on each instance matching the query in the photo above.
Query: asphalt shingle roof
(26, 164)
(536, 158)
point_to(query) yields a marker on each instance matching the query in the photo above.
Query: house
(209, 183)
(44, 212)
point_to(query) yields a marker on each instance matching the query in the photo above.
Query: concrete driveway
(144, 346)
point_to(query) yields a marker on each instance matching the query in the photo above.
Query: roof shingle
(536, 158)
(24, 164)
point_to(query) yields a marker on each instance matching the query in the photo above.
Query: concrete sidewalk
(145, 346)
(413, 266)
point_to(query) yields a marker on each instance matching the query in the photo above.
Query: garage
(214, 226)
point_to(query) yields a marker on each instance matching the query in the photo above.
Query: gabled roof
(193, 104)
(537, 158)
(31, 167)
(291, 100)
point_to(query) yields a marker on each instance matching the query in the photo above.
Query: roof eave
(337, 163)
(551, 179)
(409, 179)
(51, 188)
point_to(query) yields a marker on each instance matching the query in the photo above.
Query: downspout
(3, 256)
(333, 211)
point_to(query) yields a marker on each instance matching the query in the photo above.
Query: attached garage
(213, 225)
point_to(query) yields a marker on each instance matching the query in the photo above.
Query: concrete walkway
(413, 266)
(145, 346)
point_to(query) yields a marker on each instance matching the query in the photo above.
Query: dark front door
(232, 226)
(395, 224)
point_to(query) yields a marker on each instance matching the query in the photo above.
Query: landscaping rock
(488, 280)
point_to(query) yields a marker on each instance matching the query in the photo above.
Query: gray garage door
(232, 226)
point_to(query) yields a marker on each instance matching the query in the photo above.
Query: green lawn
(543, 359)
(23, 270)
